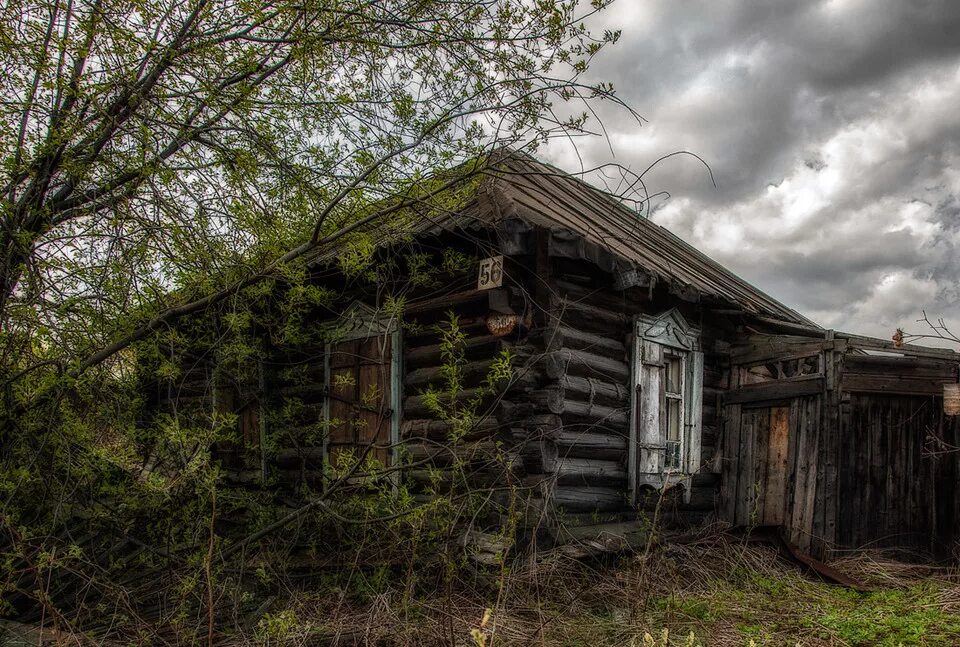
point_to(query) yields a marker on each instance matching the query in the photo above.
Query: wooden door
(762, 474)
(359, 400)
(770, 473)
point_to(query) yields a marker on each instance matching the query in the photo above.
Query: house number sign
(491, 273)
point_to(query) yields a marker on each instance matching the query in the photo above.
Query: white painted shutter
(649, 415)
(694, 410)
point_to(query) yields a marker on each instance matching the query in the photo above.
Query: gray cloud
(833, 132)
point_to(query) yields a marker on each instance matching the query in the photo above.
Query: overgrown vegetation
(169, 170)
(714, 592)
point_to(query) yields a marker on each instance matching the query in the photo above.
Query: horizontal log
(436, 374)
(447, 453)
(441, 430)
(426, 334)
(586, 316)
(578, 444)
(606, 417)
(473, 374)
(589, 499)
(444, 302)
(562, 336)
(415, 406)
(606, 298)
(595, 390)
(483, 346)
(576, 411)
(537, 426)
(579, 426)
(443, 479)
(585, 364)
(587, 471)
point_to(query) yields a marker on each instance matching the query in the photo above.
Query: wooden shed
(645, 376)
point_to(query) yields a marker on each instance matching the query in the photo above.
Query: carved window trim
(656, 341)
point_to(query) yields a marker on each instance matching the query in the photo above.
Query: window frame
(360, 321)
(656, 339)
(680, 396)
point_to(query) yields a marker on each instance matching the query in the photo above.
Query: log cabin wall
(576, 435)
(428, 460)
(565, 415)
(484, 459)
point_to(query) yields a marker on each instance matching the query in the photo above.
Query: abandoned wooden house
(639, 366)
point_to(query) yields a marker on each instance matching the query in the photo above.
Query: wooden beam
(771, 391)
(893, 384)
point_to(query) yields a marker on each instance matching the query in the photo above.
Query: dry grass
(722, 592)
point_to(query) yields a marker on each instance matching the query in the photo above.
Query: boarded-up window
(362, 388)
(360, 408)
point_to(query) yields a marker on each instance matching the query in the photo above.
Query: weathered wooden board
(781, 390)
(776, 477)
(359, 398)
(896, 488)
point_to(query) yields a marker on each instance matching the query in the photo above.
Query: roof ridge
(702, 265)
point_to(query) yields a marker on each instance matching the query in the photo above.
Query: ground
(713, 592)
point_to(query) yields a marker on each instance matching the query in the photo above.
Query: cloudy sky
(833, 132)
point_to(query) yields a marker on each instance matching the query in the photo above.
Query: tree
(163, 153)
(164, 156)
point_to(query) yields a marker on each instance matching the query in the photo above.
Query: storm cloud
(832, 130)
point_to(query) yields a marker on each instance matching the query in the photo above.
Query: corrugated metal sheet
(522, 188)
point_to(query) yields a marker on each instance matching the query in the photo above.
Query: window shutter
(694, 410)
(649, 417)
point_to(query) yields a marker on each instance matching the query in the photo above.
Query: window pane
(673, 375)
(672, 458)
(673, 419)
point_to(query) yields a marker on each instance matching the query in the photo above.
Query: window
(336, 398)
(667, 399)
(362, 385)
(673, 409)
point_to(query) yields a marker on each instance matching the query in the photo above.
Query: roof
(520, 188)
